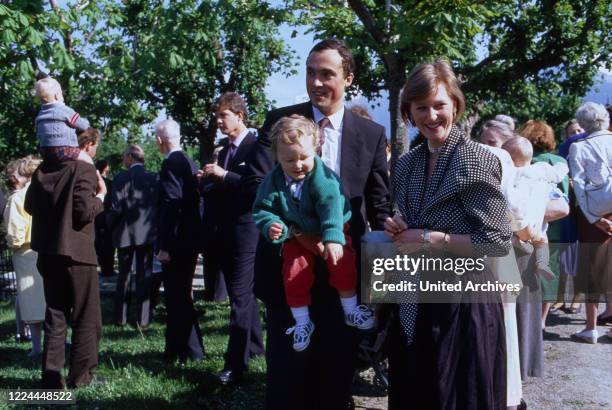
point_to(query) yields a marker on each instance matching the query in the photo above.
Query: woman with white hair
(590, 163)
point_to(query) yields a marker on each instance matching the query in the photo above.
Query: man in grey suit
(132, 220)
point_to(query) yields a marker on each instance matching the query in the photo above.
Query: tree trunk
(207, 136)
(398, 127)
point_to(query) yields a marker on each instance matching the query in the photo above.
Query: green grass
(131, 361)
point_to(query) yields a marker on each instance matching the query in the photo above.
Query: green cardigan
(322, 209)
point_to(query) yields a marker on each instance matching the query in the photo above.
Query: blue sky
(292, 90)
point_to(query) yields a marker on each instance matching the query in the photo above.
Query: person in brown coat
(64, 199)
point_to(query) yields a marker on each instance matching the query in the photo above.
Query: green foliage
(121, 64)
(539, 57)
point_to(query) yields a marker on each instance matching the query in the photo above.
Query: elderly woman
(449, 201)
(494, 133)
(590, 161)
(18, 224)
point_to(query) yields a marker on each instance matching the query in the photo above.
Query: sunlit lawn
(131, 362)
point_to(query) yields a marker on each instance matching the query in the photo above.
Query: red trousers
(299, 271)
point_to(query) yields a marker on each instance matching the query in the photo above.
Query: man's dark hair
(231, 101)
(101, 165)
(348, 62)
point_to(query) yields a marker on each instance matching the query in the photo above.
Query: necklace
(434, 150)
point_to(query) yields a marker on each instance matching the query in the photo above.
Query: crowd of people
(280, 217)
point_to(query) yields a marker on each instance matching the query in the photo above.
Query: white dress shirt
(237, 141)
(330, 151)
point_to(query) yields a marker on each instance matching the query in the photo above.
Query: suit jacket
(63, 204)
(363, 172)
(228, 202)
(463, 195)
(133, 207)
(178, 212)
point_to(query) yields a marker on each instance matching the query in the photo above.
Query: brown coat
(63, 205)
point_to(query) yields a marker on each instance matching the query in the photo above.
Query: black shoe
(604, 320)
(229, 377)
(522, 406)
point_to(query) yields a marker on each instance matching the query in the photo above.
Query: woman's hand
(395, 225)
(409, 240)
(605, 225)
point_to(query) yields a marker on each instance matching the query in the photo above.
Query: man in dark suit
(354, 148)
(132, 220)
(104, 242)
(63, 203)
(237, 234)
(214, 281)
(178, 241)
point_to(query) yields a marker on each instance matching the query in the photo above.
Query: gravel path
(577, 375)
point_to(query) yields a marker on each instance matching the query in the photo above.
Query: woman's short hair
(9, 171)
(540, 134)
(89, 136)
(506, 119)
(593, 117)
(501, 128)
(231, 101)
(28, 166)
(568, 124)
(424, 81)
(361, 111)
(290, 130)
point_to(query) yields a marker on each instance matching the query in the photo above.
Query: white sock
(300, 314)
(348, 304)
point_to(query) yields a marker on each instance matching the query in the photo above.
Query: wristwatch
(426, 240)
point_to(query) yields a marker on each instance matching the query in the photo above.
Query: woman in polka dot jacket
(447, 193)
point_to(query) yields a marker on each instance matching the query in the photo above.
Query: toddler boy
(302, 195)
(56, 124)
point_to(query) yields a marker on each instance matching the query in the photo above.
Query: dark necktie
(230, 155)
(323, 123)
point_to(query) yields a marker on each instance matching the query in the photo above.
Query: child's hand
(334, 251)
(275, 231)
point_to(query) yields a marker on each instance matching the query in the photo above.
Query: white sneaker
(361, 317)
(301, 335)
(589, 336)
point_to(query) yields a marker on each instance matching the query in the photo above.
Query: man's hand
(163, 256)
(101, 188)
(214, 170)
(333, 251)
(275, 231)
(312, 242)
